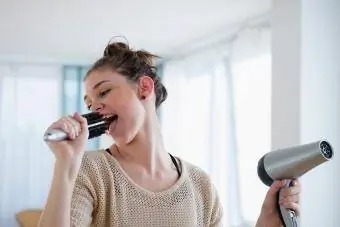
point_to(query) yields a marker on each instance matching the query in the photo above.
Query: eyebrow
(96, 86)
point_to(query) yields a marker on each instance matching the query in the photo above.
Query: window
(252, 103)
(218, 117)
(194, 118)
(73, 92)
(30, 101)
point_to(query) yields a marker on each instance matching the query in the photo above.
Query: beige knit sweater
(105, 196)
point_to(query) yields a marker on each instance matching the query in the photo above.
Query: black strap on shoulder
(176, 164)
(108, 151)
(173, 159)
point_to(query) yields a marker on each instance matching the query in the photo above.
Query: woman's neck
(147, 148)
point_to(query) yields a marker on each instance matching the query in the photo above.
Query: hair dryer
(291, 163)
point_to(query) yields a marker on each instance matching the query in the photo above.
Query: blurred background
(243, 77)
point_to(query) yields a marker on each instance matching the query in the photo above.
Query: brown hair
(132, 64)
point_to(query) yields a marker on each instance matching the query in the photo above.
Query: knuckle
(55, 125)
(66, 127)
(289, 191)
(286, 191)
(83, 122)
(291, 198)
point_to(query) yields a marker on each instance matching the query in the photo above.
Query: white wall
(79, 30)
(320, 70)
(306, 80)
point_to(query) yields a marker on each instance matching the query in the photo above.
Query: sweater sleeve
(217, 211)
(83, 199)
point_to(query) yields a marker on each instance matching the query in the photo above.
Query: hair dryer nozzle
(293, 162)
(326, 150)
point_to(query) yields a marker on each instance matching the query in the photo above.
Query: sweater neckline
(130, 181)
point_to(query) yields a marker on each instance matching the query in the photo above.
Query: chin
(123, 139)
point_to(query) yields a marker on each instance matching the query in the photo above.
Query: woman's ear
(146, 87)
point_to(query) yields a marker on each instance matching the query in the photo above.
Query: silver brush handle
(289, 217)
(55, 135)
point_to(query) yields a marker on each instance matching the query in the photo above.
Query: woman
(135, 182)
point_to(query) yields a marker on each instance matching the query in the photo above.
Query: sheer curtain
(73, 93)
(217, 116)
(196, 116)
(250, 61)
(30, 101)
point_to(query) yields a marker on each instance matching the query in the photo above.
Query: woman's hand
(69, 153)
(290, 198)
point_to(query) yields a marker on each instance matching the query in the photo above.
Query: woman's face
(110, 93)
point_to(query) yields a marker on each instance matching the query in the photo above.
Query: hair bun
(116, 48)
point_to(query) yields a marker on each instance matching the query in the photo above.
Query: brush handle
(60, 135)
(96, 125)
(57, 135)
(288, 217)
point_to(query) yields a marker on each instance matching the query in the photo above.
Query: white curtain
(73, 96)
(196, 116)
(250, 61)
(217, 116)
(29, 101)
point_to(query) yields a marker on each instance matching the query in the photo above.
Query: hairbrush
(97, 125)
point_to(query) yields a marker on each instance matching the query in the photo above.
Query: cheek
(132, 107)
(120, 100)
(129, 101)
(132, 116)
(128, 105)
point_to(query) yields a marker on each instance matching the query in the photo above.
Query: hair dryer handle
(289, 217)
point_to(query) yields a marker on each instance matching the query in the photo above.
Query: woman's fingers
(82, 123)
(69, 125)
(290, 191)
(292, 206)
(290, 198)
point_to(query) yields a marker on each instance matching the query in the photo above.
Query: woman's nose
(97, 107)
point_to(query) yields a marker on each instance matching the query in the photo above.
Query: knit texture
(105, 196)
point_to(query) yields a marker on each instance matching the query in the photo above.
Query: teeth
(110, 117)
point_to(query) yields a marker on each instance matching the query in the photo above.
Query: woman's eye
(104, 93)
(89, 107)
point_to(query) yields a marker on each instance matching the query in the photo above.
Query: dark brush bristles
(92, 117)
(98, 130)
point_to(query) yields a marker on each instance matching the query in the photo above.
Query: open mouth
(110, 121)
(98, 124)
(110, 118)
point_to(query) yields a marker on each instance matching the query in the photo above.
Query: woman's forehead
(97, 76)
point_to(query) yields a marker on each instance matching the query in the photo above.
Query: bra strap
(173, 159)
(176, 164)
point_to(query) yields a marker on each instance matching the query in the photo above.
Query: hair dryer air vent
(326, 149)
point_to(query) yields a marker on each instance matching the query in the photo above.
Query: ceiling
(81, 29)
